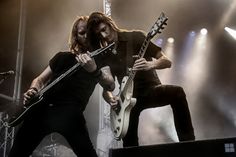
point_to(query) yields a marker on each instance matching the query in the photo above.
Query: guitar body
(16, 113)
(120, 117)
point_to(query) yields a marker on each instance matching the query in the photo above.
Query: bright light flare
(192, 33)
(171, 40)
(204, 31)
(159, 42)
(232, 32)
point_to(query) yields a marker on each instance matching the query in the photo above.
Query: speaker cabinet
(202, 148)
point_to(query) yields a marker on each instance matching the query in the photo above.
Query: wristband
(34, 88)
(97, 73)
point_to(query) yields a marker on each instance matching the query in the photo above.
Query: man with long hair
(62, 108)
(148, 89)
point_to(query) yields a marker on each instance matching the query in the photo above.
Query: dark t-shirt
(76, 88)
(129, 44)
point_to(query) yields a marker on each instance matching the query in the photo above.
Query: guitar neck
(54, 82)
(140, 55)
(74, 68)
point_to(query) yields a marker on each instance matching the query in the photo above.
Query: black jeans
(64, 119)
(157, 96)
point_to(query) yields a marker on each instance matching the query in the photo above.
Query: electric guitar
(120, 115)
(17, 112)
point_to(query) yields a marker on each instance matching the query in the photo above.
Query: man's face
(105, 33)
(81, 33)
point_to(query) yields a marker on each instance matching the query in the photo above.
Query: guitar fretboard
(59, 78)
(74, 68)
(140, 55)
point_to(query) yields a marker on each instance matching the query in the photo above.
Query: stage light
(203, 31)
(171, 40)
(231, 32)
(159, 42)
(192, 33)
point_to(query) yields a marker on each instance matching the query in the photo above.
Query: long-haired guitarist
(61, 109)
(147, 89)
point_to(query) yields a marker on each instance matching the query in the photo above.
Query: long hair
(94, 20)
(74, 45)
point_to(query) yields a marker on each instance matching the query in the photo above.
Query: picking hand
(110, 99)
(114, 102)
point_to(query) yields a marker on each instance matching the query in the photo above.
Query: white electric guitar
(121, 114)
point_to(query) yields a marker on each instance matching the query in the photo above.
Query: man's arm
(159, 62)
(104, 75)
(106, 79)
(111, 99)
(38, 83)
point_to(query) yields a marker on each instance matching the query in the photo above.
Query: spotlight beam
(232, 32)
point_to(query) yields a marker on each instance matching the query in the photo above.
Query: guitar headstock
(103, 50)
(158, 26)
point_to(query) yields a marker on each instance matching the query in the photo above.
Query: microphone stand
(2, 80)
(4, 76)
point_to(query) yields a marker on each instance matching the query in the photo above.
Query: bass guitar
(17, 112)
(120, 115)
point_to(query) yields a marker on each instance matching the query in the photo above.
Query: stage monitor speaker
(200, 148)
